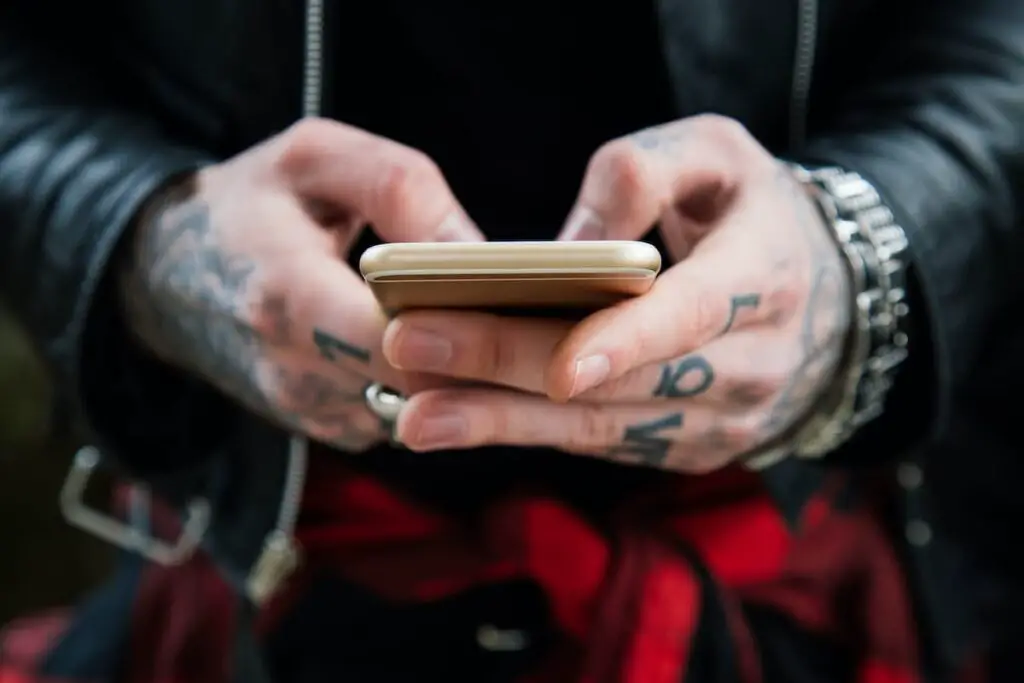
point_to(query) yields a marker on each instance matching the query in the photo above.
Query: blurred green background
(43, 562)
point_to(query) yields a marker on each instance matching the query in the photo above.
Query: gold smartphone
(510, 277)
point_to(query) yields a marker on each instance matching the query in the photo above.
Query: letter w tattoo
(646, 442)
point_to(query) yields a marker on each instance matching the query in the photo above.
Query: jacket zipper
(313, 70)
(281, 553)
(803, 71)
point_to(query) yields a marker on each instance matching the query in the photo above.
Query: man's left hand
(727, 352)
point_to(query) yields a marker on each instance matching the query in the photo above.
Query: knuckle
(750, 392)
(270, 317)
(499, 358)
(737, 144)
(621, 166)
(594, 429)
(634, 382)
(709, 313)
(300, 143)
(402, 180)
(287, 301)
(500, 426)
(741, 435)
(725, 130)
(785, 300)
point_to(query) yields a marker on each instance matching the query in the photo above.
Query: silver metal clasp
(277, 562)
(126, 536)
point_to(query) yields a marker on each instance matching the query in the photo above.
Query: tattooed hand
(728, 351)
(239, 276)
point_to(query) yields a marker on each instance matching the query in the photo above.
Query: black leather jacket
(103, 101)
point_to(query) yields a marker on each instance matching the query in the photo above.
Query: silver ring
(385, 403)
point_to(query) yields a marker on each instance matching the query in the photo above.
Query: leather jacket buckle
(129, 537)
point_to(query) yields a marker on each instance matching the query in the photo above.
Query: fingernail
(418, 349)
(458, 227)
(440, 431)
(590, 372)
(583, 225)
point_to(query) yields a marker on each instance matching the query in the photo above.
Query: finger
(513, 352)
(734, 374)
(695, 163)
(692, 303)
(654, 436)
(397, 189)
(321, 308)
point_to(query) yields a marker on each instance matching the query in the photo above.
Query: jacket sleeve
(929, 107)
(77, 159)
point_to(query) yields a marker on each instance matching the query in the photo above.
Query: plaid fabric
(23, 646)
(698, 581)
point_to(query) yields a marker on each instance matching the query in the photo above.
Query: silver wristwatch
(875, 248)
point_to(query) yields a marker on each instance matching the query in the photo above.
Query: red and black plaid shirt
(701, 581)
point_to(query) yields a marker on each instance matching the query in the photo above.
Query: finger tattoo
(691, 376)
(738, 303)
(646, 442)
(330, 347)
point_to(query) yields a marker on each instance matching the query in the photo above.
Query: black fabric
(714, 653)
(78, 157)
(510, 98)
(790, 654)
(339, 631)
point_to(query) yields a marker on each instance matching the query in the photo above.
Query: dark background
(43, 562)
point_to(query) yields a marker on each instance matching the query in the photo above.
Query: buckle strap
(132, 537)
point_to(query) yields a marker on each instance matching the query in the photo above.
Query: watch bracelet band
(875, 247)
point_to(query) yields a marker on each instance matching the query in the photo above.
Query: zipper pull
(278, 561)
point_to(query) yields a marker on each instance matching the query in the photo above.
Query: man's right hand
(238, 275)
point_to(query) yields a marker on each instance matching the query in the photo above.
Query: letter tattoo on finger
(330, 346)
(674, 383)
(695, 370)
(738, 303)
(645, 442)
